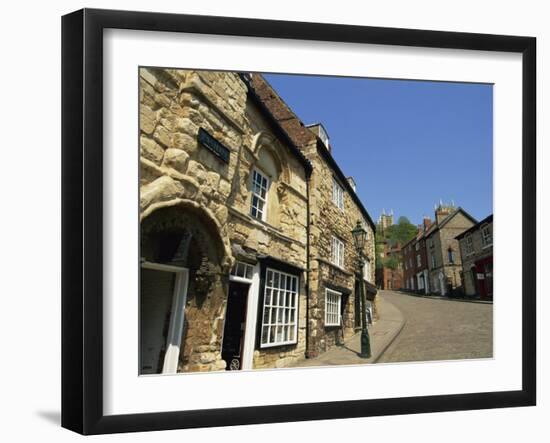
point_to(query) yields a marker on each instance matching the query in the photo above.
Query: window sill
(278, 345)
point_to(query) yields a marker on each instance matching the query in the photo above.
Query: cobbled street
(440, 329)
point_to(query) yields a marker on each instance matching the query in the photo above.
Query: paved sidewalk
(382, 333)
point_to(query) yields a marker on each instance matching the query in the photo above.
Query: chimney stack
(426, 223)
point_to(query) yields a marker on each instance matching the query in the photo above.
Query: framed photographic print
(271, 221)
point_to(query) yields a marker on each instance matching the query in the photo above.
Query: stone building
(223, 210)
(390, 277)
(415, 261)
(333, 308)
(385, 220)
(476, 250)
(444, 261)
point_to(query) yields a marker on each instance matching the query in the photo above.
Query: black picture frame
(82, 231)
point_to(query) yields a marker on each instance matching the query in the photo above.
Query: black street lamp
(359, 236)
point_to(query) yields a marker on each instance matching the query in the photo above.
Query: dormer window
(323, 136)
(320, 132)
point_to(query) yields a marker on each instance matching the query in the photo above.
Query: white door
(162, 307)
(427, 281)
(442, 283)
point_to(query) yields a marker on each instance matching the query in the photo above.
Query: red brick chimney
(427, 222)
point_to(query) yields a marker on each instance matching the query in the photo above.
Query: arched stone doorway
(182, 291)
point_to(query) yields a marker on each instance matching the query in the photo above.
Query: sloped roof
(300, 135)
(276, 126)
(436, 226)
(487, 219)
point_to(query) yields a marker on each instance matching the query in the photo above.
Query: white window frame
(337, 194)
(337, 252)
(418, 261)
(433, 261)
(264, 200)
(278, 293)
(366, 225)
(469, 245)
(333, 306)
(417, 246)
(242, 272)
(249, 336)
(486, 240)
(366, 270)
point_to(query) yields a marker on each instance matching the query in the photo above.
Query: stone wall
(176, 170)
(469, 260)
(443, 239)
(326, 220)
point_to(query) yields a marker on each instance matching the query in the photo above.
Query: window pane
(279, 336)
(275, 300)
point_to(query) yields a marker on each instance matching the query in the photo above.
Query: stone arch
(185, 234)
(187, 217)
(264, 141)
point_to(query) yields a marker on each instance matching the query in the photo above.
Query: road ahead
(438, 329)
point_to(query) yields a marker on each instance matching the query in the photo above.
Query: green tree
(401, 232)
(391, 262)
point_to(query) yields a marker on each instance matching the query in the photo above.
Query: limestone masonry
(247, 257)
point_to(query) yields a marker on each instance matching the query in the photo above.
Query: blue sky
(407, 144)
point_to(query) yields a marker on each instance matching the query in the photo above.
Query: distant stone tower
(442, 210)
(385, 220)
